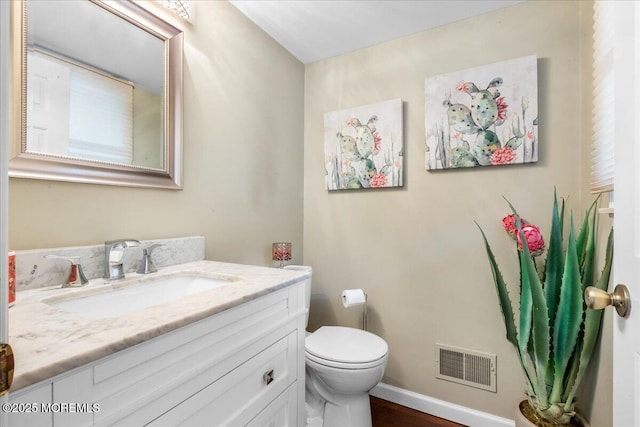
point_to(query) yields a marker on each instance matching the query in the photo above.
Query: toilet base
(353, 411)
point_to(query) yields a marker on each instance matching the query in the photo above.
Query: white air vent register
(466, 367)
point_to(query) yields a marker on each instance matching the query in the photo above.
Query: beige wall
(416, 250)
(243, 129)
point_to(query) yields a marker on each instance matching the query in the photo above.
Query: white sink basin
(117, 300)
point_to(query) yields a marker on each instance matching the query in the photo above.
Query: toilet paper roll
(351, 297)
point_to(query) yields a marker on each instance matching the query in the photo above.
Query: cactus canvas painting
(484, 116)
(363, 146)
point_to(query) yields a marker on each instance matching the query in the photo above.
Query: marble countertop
(48, 341)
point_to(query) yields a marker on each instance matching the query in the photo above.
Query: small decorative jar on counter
(12, 278)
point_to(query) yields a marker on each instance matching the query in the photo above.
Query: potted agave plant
(556, 334)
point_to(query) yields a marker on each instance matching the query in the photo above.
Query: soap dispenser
(146, 265)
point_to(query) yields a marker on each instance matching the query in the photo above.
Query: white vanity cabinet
(25, 407)
(241, 367)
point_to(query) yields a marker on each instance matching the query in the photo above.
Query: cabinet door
(31, 408)
(76, 389)
(281, 412)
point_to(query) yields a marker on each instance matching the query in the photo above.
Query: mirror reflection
(95, 85)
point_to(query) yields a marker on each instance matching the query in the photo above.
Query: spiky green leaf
(561, 216)
(588, 265)
(503, 293)
(526, 312)
(592, 324)
(540, 317)
(568, 317)
(507, 311)
(585, 242)
(555, 263)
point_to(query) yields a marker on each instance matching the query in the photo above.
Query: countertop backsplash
(33, 270)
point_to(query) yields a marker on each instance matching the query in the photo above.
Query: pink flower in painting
(397, 164)
(457, 135)
(509, 223)
(377, 141)
(535, 242)
(531, 135)
(378, 180)
(502, 108)
(461, 86)
(351, 121)
(503, 156)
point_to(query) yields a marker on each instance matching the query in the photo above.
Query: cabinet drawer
(239, 396)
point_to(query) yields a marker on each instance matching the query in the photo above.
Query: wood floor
(388, 414)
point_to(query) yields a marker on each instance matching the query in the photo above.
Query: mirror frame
(23, 164)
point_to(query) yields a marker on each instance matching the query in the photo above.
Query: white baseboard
(439, 408)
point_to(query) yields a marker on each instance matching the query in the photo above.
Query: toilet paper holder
(364, 313)
(354, 297)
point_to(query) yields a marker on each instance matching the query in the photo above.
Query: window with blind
(602, 161)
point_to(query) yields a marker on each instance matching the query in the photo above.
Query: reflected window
(78, 112)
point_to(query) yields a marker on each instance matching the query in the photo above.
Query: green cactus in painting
(358, 152)
(365, 141)
(514, 142)
(484, 109)
(461, 157)
(349, 181)
(348, 147)
(459, 116)
(487, 142)
(487, 110)
(364, 170)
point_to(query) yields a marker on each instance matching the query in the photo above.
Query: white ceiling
(317, 29)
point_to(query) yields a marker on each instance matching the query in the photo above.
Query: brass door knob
(6, 368)
(597, 299)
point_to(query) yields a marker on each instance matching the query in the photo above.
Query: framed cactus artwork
(363, 146)
(484, 116)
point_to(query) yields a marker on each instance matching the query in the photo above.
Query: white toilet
(342, 366)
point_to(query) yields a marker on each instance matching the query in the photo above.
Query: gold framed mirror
(96, 94)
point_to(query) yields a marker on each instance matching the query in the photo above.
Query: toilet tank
(307, 287)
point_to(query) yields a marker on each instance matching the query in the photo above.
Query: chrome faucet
(146, 265)
(114, 257)
(76, 276)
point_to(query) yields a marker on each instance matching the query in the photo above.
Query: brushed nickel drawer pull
(268, 377)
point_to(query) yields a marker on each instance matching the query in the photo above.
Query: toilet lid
(347, 345)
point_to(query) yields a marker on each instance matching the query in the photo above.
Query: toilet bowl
(342, 365)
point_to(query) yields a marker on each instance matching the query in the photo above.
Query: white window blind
(602, 161)
(101, 117)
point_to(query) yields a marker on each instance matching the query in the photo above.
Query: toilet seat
(347, 348)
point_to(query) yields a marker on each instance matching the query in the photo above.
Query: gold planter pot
(522, 421)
